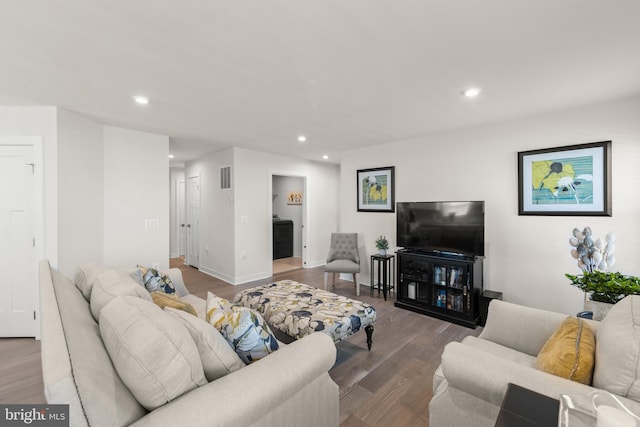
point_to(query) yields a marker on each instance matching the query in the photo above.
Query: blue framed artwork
(571, 180)
(375, 190)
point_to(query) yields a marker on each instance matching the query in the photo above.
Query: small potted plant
(607, 287)
(382, 244)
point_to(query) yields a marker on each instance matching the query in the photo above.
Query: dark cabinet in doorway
(282, 238)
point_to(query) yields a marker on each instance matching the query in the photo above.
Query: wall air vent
(225, 178)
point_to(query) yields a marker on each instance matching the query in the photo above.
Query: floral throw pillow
(154, 281)
(242, 327)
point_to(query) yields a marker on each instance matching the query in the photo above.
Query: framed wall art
(571, 180)
(376, 190)
(294, 197)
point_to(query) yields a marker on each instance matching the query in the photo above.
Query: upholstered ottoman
(297, 310)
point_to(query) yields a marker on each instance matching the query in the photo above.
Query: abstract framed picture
(375, 190)
(572, 180)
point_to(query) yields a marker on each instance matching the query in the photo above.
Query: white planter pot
(599, 309)
(382, 252)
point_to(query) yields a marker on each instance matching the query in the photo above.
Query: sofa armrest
(251, 395)
(521, 328)
(175, 274)
(486, 377)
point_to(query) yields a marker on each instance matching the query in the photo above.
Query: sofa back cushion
(617, 367)
(105, 400)
(217, 355)
(85, 275)
(151, 350)
(505, 317)
(111, 284)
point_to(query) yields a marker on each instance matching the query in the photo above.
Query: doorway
(20, 211)
(288, 218)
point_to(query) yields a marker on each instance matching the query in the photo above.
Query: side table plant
(382, 244)
(602, 289)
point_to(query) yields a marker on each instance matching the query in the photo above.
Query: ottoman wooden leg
(369, 330)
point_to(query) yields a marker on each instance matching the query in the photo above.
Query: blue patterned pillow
(242, 327)
(154, 281)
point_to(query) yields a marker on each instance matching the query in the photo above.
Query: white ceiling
(346, 73)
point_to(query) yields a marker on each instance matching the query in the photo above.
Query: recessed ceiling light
(302, 138)
(325, 157)
(141, 99)
(471, 92)
(171, 156)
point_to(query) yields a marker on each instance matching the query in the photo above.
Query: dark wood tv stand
(443, 285)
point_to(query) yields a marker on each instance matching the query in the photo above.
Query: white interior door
(193, 222)
(182, 218)
(18, 286)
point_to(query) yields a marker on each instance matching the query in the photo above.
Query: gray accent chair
(343, 258)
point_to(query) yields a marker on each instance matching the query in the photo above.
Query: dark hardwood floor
(387, 386)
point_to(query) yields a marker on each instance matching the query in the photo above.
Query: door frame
(305, 202)
(187, 258)
(38, 205)
(181, 215)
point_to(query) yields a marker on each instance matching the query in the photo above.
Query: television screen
(449, 227)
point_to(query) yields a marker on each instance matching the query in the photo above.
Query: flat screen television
(448, 227)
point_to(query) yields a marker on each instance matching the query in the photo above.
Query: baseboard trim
(233, 280)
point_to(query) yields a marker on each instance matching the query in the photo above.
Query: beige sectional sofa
(470, 384)
(289, 387)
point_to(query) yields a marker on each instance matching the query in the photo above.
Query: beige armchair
(470, 384)
(343, 258)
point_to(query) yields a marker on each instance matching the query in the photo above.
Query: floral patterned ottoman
(298, 310)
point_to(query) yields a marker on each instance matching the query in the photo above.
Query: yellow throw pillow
(172, 300)
(570, 352)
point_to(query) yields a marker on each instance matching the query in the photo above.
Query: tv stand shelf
(440, 285)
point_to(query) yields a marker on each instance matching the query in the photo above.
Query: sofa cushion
(94, 377)
(500, 351)
(152, 351)
(243, 328)
(617, 367)
(111, 284)
(85, 276)
(163, 300)
(198, 303)
(217, 355)
(155, 281)
(569, 352)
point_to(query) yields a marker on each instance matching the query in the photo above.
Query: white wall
(40, 121)
(253, 178)
(238, 221)
(217, 245)
(136, 188)
(80, 191)
(526, 256)
(281, 186)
